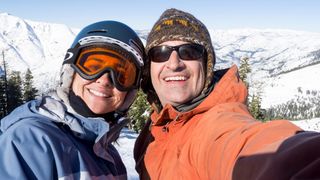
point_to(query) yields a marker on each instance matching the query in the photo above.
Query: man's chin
(176, 101)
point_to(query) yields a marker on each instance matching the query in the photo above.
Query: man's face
(100, 95)
(177, 81)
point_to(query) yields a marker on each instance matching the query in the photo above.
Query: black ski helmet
(110, 32)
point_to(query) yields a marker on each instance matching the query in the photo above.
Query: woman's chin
(101, 109)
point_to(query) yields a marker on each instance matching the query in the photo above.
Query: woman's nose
(105, 80)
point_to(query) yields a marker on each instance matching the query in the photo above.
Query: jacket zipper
(165, 128)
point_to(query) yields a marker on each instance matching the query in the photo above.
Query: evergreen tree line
(14, 91)
(305, 106)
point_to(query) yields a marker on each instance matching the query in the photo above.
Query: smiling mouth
(175, 78)
(97, 93)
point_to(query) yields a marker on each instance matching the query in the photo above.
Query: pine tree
(14, 91)
(29, 92)
(139, 112)
(244, 69)
(3, 88)
(255, 107)
(3, 96)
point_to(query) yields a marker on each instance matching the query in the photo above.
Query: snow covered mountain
(282, 61)
(34, 45)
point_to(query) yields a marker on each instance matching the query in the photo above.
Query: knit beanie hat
(177, 25)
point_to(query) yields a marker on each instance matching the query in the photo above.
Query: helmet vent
(98, 31)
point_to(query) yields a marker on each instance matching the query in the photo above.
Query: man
(201, 127)
(69, 134)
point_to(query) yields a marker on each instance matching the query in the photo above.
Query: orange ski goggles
(94, 61)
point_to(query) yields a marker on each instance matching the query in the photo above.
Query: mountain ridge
(273, 53)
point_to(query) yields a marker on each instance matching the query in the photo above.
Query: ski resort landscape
(285, 64)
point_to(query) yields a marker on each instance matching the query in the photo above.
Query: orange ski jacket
(211, 140)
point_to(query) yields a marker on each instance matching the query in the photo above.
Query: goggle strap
(71, 56)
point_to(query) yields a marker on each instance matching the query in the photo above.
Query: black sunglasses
(185, 52)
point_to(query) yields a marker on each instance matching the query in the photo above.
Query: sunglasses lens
(191, 51)
(185, 52)
(95, 61)
(159, 53)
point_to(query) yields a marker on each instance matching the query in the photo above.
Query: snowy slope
(309, 124)
(280, 88)
(125, 145)
(281, 60)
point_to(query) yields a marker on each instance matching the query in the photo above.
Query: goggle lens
(93, 62)
(185, 52)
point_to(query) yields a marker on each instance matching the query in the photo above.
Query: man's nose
(174, 62)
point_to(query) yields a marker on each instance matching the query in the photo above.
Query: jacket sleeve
(25, 153)
(298, 157)
(272, 150)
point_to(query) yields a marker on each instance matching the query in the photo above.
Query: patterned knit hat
(176, 25)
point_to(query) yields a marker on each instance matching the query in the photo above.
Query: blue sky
(141, 14)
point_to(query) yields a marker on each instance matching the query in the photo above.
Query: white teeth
(175, 78)
(97, 93)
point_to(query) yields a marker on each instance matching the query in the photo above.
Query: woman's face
(100, 95)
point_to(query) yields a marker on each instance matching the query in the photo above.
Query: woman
(68, 134)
